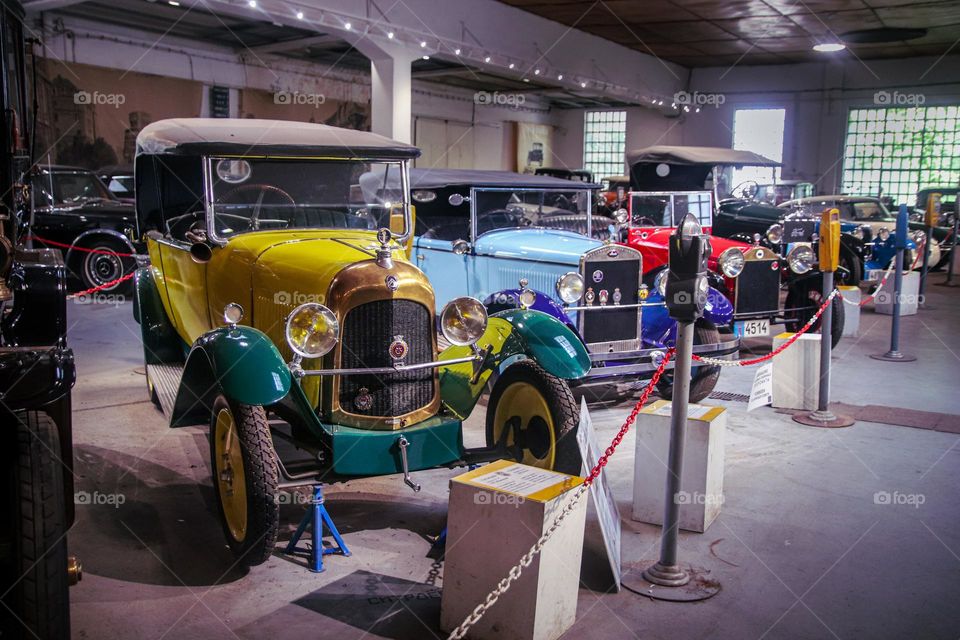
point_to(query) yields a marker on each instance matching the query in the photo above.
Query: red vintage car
(667, 183)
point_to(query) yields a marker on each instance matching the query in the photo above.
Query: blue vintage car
(531, 241)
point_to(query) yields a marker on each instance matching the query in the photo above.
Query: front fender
(511, 335)
(660, 330)
(240, 362)
(508, 299)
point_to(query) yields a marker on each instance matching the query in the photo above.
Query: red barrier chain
(105, 285)
(54, 243)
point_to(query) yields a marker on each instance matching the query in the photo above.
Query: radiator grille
(758, 288)
(368, 331)
(606, 276)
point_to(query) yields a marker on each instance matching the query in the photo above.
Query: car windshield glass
(668, 209)
(68, 188)
(261, 194)
(566, 210)
(867, 211)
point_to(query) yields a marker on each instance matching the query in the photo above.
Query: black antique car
(119, 180)
(36, 376)
(74, 211)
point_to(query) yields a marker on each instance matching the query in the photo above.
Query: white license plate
(751, 328)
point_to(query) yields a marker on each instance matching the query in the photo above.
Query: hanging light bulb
(390, 34)
(346, 25)
(456, 51)
(560, 77)
(487, 59)
(299, 15)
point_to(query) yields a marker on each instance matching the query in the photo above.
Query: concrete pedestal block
(497, 512)
(851, 312)
(909, 296)
(796, 372)
(701, 485)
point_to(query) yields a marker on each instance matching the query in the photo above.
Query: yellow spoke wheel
(245, 478)
(231, 483)
(535, 412)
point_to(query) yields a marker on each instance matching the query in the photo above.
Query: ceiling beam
(34, 6)
(317, 41)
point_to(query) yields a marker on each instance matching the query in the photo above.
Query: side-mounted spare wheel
(540, 415)
(35, 581)
(245, 478)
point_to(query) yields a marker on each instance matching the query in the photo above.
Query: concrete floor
(801, 548)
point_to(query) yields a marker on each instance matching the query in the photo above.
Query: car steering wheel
(747, 190)
(263, 190)
(646, 222)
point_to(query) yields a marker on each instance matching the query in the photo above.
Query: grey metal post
(953, 249)
(667, 571)
(923, 268)
(894, 354)
(826, 342)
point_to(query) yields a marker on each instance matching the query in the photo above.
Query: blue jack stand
(315, 518)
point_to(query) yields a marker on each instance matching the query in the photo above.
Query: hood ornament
(384, 253)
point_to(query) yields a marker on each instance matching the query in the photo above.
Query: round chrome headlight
(570, 287)
(883, 234)
(660, 283)
(731, 262)
(621, 216)
(312, 330)
(775, 234)
(463, 321)
(801, 259)
(919, 237)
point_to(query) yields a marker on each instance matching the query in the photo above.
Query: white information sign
(762, 392)
(601, 497)
(519, 479)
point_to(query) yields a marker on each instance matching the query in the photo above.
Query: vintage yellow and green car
(280, 310)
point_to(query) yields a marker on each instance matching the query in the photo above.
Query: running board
(166, 382)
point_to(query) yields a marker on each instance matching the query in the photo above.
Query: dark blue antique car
(527, 241)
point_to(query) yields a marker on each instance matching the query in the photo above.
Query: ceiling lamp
(829, 47)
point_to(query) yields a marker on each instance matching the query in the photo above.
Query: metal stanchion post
(931, 219)
(953, 248)
(894, 354)
(686, 295)
(829, 247)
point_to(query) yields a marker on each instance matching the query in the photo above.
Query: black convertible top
(712, 156)
(438, 178)
(235, 136)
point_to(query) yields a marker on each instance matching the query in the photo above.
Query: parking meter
(829, 240)
(686, 291)
(932, 217)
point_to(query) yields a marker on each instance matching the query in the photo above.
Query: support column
(391, 92)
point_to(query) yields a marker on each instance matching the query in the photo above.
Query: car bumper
(435, 442)
(609, 366)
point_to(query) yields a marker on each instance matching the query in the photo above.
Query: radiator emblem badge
(398, 348)
(598, 276)
(617, 296)
(392, 282)
(604, 295)
(589, 296)
(613, 253)
(774, 266)
(364, 400)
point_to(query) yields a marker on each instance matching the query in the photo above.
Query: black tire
(564, 416)
(261, 510)
(39, 598)
(95, 269)
(851, 271)
(799, 296)
(704, 378)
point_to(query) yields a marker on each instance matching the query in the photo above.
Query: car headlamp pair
(313, 330)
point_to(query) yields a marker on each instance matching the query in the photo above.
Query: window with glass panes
(898, 151)
(604, 139)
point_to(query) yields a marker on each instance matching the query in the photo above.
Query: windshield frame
(672, 195)
(474, 190)
(48, 176)
(209, 196)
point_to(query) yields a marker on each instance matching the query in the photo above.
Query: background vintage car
(73, 208)
(484, 231)
(874, 223)
(289, 230)
(667, 182)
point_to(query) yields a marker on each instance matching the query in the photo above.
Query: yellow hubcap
(231, 484)
(525, 409)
